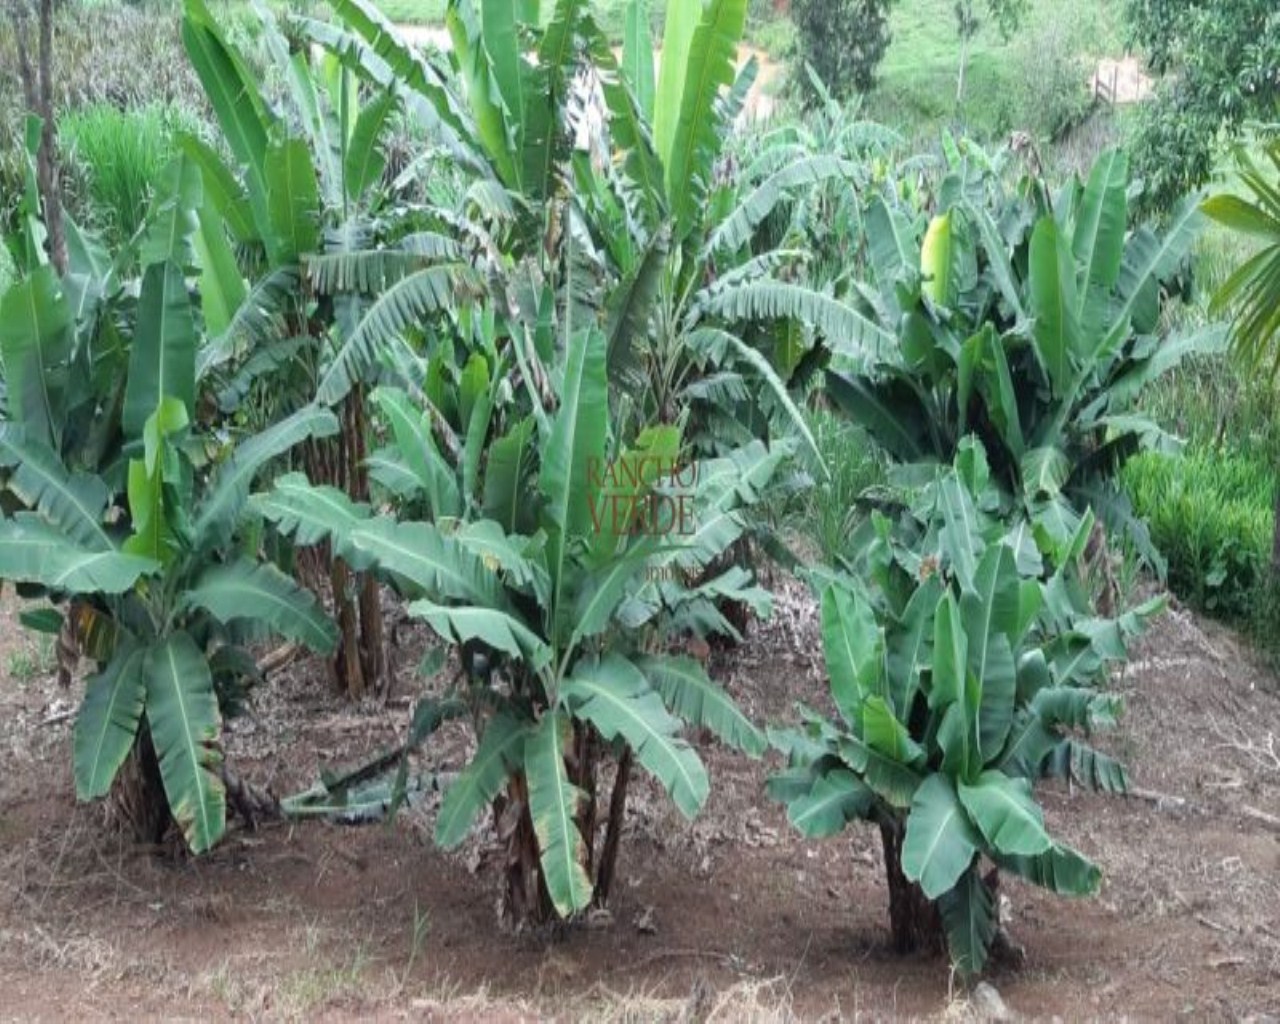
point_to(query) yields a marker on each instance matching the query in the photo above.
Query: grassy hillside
(917, 89)
(413, 12)
(1016, 84)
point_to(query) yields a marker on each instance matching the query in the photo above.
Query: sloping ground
(731, 917)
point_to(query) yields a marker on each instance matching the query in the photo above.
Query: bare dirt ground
(730, 917)
(1123, 79)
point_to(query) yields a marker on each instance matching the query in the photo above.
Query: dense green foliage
(101, 418)
(533, 338)
(1213, 513)
(842, 40)
(1210, 515)
(1223, 62)
(963, 662)
(1030, 322)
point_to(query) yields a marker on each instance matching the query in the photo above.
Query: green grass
(1211, 511)
(33, 658)
(827, 513)
(1210, 514)
(413, 12)
(917, 88)
(116, 158)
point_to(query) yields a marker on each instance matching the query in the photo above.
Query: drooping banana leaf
(186, 728)
(615, 697)
(553, 804)
(34, 551)
(260, 592)
(107, 723)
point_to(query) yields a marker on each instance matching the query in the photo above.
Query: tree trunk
(582, 773)
(525, 900)
(138, 800)
(348, 673)
(37, 88)
(964, 61)
(914, 920)
(360, 664)
(613, 832)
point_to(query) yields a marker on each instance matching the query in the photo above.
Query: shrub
(1034, 327)
(844, 41)
(1210, 514)
(964, 668)
(112, 160)
(1051, 97)
(1222, 60)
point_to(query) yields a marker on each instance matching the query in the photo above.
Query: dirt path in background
(731, 915)
(1124, 80)
(760, 103)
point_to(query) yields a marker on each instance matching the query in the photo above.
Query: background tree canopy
(843, 41)
(1223, 62)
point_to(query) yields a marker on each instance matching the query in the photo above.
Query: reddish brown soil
(749, 922)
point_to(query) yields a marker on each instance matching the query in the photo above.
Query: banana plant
(704, 306)
(344, 268)
(1033, 323)
(962, 675)
(124, 514)
(663, 244)
(613, 231)
(163, 606)
(563, 590)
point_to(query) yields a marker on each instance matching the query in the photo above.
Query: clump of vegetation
(830, 513)
(1210, 515)
(1037, 337)
(109, 54)
(1053, 95)
(1221, 62)
(843, 41)
(966, 664)
(112, 160)
(163, 597)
